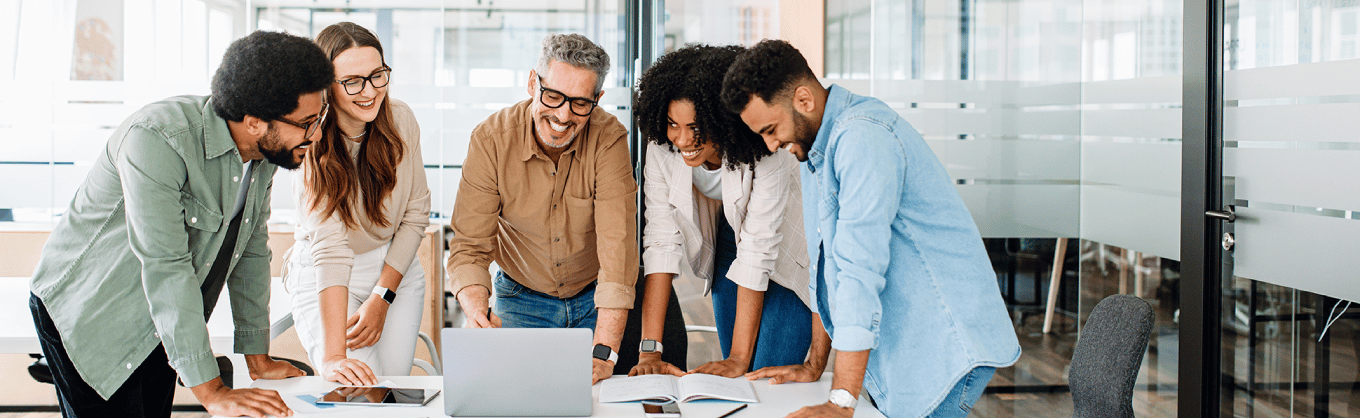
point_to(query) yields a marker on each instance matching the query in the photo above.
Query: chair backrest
(1108, 354)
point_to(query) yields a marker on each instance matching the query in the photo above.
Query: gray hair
(578, 51)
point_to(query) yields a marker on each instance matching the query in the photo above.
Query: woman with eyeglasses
(722, 208)
(363, 205)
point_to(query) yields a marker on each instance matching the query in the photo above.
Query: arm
(661, 258)
(654, 306)
(476, 215)
(152, 175)
(615, 243)
(744, 332)
(811, 369)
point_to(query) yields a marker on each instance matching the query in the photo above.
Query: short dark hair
(263, 74)
(695, 73)
(769, 70)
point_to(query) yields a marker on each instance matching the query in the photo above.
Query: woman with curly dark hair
(721, 208)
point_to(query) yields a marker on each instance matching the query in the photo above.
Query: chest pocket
(580, 213)
(199, 216)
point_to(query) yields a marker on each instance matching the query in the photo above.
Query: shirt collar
(836, 100)
(216, 137)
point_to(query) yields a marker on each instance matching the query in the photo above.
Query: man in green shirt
(174, 210)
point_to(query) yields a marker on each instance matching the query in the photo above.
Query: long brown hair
(331, 176)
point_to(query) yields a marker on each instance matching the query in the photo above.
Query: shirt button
(559, 264)
(129, 366)
(557, 239)
(247, 220)
(193, 219)
(554, 206)
(235, 178)
(208, 264)
(238, 256)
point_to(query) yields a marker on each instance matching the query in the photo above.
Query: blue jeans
(785, 322)
(521, 307)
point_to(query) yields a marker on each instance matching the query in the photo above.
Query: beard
(545, 124)
(275, 152)
(803, 133)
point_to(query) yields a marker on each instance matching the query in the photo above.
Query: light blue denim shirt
(905, 273)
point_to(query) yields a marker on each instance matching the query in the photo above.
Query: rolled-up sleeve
(758, 248)
(661, 240)
(475, 216)
(248, 284)
(615, 223)
(871, 186)
(152, 175)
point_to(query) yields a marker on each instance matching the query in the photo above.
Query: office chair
(1108, 355)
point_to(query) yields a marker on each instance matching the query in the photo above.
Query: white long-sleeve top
(407, 210)
(763, 204)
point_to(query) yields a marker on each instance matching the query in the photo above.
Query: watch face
(648, 346)
(601, 352)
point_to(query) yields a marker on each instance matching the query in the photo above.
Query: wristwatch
(649, 346)
(603, 352)
(385, 293)
(843, 398)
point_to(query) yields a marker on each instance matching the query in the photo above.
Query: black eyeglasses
(379, 79)
(310, 128)
(580, 106)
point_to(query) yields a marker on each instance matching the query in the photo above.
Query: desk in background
(776, 401)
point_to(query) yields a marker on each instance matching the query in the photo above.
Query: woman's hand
(731, 367)
(366, 325)
(348, 371)
(650, 363)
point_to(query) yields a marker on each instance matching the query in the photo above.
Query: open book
(663, 387)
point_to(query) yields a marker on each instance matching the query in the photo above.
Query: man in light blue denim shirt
(902, 284)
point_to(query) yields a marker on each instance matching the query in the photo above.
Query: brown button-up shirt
(554, 227)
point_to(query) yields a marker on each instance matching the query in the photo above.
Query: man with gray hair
(548, 194)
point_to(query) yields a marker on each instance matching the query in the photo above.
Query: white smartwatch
(649, 346)
(843, 398)
(385, 293)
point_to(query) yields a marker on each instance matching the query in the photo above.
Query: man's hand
(218, 399)
(474, 301)
(366, 325)
(261, 366)
(792, 373)
(731, 367)
(602, 370)
(650, 363)
(348, 371)
(826, 409)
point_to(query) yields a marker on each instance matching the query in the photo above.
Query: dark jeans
(149, 392)
(785, 322)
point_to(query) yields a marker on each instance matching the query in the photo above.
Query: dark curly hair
(695, 73)
(263, 74)
(769, 70)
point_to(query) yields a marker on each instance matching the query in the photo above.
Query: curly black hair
(769, 70)
(695, 73)
(263, 74)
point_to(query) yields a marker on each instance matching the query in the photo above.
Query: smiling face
(683, 131)
(353, 111)
(557, 128)
(284, 144)
(780, 126)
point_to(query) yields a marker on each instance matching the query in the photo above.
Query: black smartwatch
(603, 352)
(385, 293)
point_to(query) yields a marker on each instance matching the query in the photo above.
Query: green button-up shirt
(122, 271)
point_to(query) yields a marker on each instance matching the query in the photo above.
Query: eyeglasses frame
(566, 99)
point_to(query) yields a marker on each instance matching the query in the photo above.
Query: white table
(17, 335)
(776, 401)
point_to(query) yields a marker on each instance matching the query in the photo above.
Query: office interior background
(1061, 122)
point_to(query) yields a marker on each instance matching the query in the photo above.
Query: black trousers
(149, 392)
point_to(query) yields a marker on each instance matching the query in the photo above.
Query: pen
(729, 413)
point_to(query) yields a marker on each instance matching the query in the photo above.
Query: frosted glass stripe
(1315, 178)
(1144, 123)
(1337, 122)
(1328, 78)
(1009, 159)
(1138, 165)
(1025, 211)
(992, 122)
(1311, 253)
(1165, 89)
(1131, 219)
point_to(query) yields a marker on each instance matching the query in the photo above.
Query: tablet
(362, 395)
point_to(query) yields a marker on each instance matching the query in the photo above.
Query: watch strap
(385, 293)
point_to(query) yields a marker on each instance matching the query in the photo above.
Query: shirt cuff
(613, 296)
(330, 275)
(197, 369)
(749, 277)
(660, 262)
(853, 338)
(254, 341)
(468, 275)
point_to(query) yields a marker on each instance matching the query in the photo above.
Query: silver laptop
(528, 372)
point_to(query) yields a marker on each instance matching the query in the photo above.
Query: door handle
(1228, 214)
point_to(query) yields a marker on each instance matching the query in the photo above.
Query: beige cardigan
(333, 246)
(764, 206)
